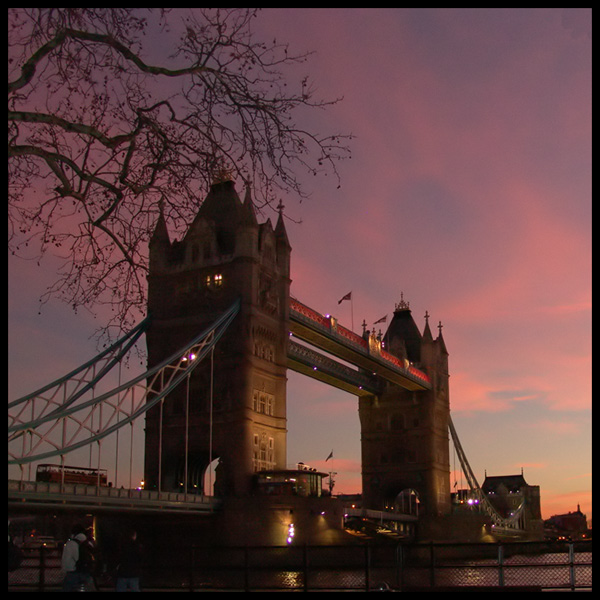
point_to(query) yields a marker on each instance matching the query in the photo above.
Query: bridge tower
(404, 433)
(233, 407)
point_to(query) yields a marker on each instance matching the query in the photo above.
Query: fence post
(42, 577)
(367, 567)
(572, 566)
(305, 567)
(399, 567)
(246, 568)
(194, 559)
(432, 565)
(500, 565)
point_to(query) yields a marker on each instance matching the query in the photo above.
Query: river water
(548, 571)
(544, 570)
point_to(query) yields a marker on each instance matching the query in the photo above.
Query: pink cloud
(556, 427)
(469, 394)
(347, 478)
(347, 465)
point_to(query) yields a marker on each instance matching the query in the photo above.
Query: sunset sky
(469, 192)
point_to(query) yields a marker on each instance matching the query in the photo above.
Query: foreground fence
(416, 567)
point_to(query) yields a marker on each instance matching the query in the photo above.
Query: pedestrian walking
(129, 568)
(76, 562)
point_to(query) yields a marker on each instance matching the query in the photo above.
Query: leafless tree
(114, 112)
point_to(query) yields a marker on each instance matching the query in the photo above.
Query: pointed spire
(222, 203)
(427, 337)
(248, 204)
(280, 231)
(403, 338)
(160, 233)
(440, 339)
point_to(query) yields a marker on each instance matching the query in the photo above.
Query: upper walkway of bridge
(324, 332)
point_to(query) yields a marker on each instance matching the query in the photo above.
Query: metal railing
(77, 495)
(526, 566)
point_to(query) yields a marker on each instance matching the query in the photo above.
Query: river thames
(566, 567)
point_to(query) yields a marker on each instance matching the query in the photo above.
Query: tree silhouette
(116, 114)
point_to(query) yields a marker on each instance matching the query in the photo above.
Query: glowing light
(291, 533)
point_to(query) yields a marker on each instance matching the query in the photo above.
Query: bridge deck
(68, 496)
(326, 334)
(308, 362)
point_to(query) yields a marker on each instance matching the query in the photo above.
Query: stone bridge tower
(405, 442)
(225, 254)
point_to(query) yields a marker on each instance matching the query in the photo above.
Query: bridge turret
(225, 255)
(403, 338)
(160, 245)
(405, 442)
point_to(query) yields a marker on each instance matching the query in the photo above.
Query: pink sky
(469, 191)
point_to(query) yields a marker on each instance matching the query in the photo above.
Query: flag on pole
(382, 320)
(330, 456)
(348, 296)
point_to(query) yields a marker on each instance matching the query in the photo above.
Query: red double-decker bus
(64, 474)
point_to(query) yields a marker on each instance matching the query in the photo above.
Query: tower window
(214, 281)
(263, 453)
(263, 402)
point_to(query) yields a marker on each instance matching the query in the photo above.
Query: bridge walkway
(325, 333)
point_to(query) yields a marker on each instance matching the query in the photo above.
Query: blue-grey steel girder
(201, 345)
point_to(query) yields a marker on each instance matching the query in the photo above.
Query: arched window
(407, 502)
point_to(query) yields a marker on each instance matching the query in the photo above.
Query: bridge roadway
(375, 365)
(37, 495)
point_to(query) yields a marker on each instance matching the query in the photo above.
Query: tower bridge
(220, 395)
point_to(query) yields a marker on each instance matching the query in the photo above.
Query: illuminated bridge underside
(325, 333)
(318, 366)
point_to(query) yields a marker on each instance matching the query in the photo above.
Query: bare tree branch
(112, 111)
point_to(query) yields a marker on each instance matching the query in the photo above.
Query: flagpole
(331, 473)
(348, 296)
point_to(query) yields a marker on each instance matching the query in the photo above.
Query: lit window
(214, 280)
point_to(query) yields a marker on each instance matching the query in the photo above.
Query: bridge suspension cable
(58, 395)
(498, 520)
(42, 426)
